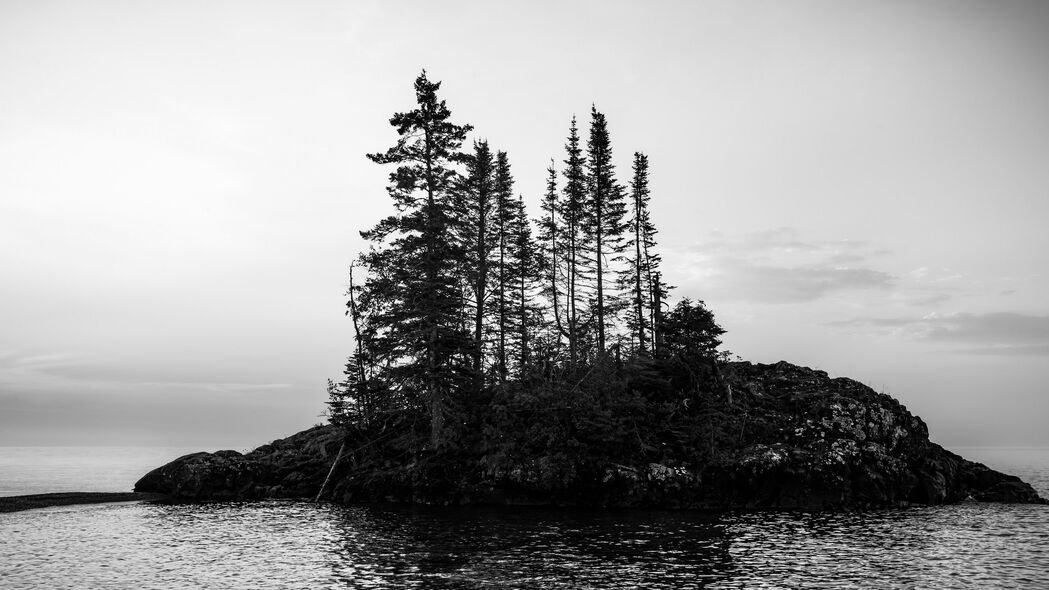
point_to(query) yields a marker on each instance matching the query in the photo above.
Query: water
(1030, 464)
(301, 545)
(40, 470)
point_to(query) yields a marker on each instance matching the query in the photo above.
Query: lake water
(282, 544)
(40, 470)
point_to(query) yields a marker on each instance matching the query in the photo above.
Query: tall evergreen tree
(503, 293)
(524, 271)
(636, 278)
(605, 212)
(412, 264)
(574, 251)
(450, 335)
(551, 239)
(477, 210)
(651, 262)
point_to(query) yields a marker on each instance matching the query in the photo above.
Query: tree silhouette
(412, 265)
(605, 211)
(477, 209)
(482, 348)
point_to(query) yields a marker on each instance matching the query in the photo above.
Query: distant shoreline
(29, 502)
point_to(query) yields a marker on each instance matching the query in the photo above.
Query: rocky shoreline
(33, 501)
(811, 443)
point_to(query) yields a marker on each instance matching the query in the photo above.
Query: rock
(288, 468)
(811, 442)
(224, 475)
(33, 501)
(845, 446)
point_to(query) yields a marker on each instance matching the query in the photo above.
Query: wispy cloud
(781, 240)
(795, 284)
(778, 266)
(21, 369)
(997, 333)
(67, 372)
(783, 266)
(57, 359)
(929, 299)
(217, 387)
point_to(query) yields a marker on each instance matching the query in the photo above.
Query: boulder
(225, 475)
(293, 467)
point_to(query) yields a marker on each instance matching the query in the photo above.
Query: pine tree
(362, 395)
(524, 271)
(412, 265)
(638, 276)
(476, 207)
(551, 239)
(651, 261)
(359, 369)
(574, 251)
(691, 331)
(452, 331)
(605, 211)
(659, 295)
(503, 293)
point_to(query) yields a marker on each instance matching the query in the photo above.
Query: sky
(859, 187)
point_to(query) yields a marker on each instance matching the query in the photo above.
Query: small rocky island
(504, 359)
(804, 441)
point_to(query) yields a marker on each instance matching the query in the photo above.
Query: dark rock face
(288, 468)
(836, 443)
(812, 443)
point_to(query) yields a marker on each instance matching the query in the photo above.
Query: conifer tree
(605, 211)
(354, 399)
(503, 293)
(652, 260)
(524, 271)
(477, 211)
(412, 265)
(643, 261)
(574, 251)
(451, 312)
(551, 239)
(659, 294)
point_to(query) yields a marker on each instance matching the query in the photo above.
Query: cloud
(216, 387)
(997, 333)
(18, 369)
(70, 372)
(57, 359)
(929, 299)
(777, 266)
(797, 284)
(781, 240)
(782, 266)
(1021, 350)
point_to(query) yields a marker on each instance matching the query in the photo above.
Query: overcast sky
(861, 187)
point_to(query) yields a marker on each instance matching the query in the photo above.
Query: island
(506, 359)
(797, 439)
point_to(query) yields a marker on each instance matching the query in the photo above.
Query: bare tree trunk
(330, 471)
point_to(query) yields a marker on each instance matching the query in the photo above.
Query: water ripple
(301, 545)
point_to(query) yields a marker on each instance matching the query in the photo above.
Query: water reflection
(483, 548)
(301, 545)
